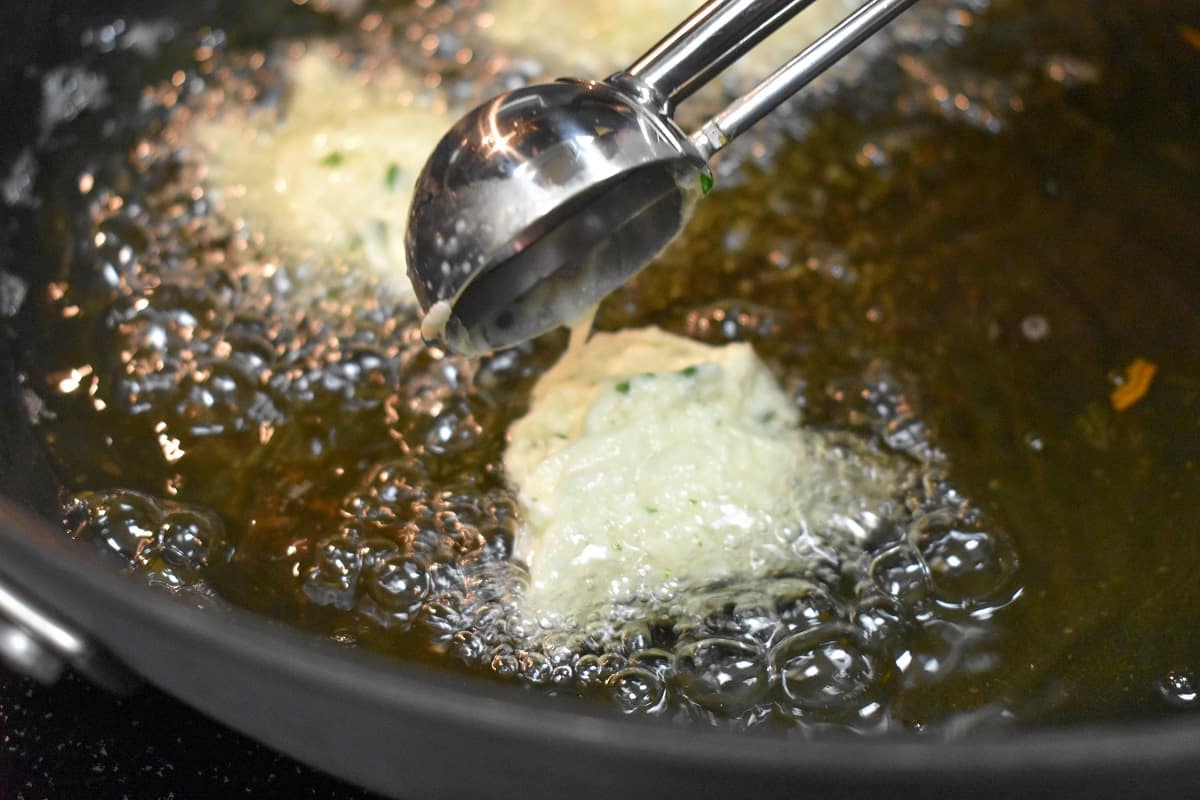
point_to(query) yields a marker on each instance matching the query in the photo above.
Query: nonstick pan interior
(407, 731)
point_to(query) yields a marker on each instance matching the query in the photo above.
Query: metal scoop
(542, 201)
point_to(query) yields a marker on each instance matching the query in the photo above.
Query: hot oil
(951, 264)
(1014, 277)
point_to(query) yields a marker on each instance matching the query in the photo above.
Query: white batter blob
(649, 462)
(334, 174)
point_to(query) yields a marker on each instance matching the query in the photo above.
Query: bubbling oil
(244, 422)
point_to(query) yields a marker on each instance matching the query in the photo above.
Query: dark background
(74, 740)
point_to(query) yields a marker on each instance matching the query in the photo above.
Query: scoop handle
(784, 82)
(703, 45)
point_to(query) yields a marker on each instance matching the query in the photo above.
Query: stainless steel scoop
(543, 200)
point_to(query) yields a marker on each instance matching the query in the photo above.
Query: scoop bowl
(540, 202)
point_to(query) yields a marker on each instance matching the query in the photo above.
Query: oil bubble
(723, 675)
(333, 580)
(660, 662)
(637, 690)
(825, 673)
(397, 585)
(1180, 689)
(901, 574)
(802, 605)
(177, 543)
(967, 567)
(588, 669)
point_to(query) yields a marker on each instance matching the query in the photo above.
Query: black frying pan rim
(36, 557)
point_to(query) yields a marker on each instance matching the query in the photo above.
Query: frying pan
(402, 729)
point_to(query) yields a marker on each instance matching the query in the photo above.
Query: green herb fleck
(651, 510)
(706, 183)
(767, 418)
(334, 159)
(688, 372)
(560, 435)
(618, 546)
(622, 387)
(693, 501)
(392, 177)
